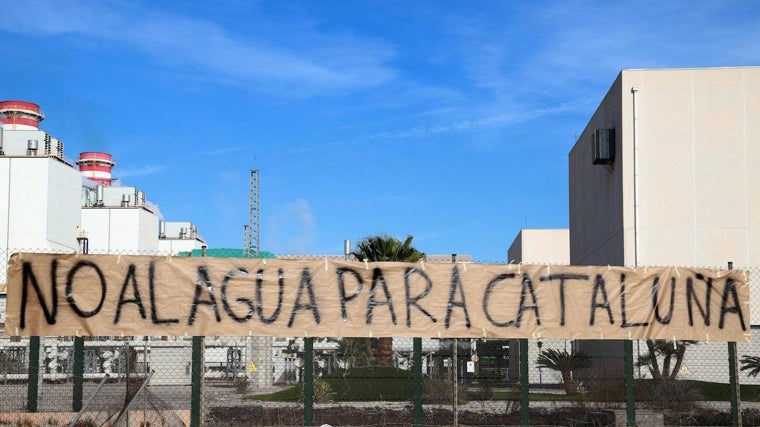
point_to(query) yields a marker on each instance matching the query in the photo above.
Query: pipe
(634, 91)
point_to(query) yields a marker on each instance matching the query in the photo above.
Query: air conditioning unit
(603, 145)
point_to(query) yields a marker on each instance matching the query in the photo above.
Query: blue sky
(450, 121)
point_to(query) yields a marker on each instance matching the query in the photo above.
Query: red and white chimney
(20, 115)
(96, 166)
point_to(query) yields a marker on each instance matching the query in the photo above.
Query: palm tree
(564, 363)
(386, 248)
(751, 364)
(671, 355)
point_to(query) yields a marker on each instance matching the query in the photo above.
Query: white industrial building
(665, 174)
(52, 204)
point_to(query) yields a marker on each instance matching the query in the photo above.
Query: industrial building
(52, 204)
(664, 173)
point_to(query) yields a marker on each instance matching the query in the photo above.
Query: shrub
(372, 383)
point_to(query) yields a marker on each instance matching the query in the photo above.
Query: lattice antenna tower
(251, 230)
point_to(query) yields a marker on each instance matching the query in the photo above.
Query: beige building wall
(540, 246)
(682, 189)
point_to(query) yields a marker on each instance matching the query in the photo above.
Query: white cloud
(292, 229)
(327, 63)
(140, 171)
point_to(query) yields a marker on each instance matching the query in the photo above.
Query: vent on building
(603, 145)
(31, 147)
(125, 200)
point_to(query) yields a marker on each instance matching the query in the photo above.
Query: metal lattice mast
(251, 230)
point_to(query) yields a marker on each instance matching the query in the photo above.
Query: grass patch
(371, 384)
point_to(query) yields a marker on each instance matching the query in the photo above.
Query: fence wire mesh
(360, 381)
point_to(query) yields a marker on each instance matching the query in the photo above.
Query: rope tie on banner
(422, 264)
(678, 273)
(169, 258)
(370, 334)
(518, 268)
(675, 343)
(326, 266)
(16, 330)
(264, 261)
(485, 335)
(366, 264)
(549, 270)
(464, 266)
(707, 336)
(609, 267)
(306, 334)
(77, 333)
(629, 335)
(250, 333)
(118, 258)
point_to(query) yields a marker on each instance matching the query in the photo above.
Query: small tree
(564, 363)
(662, 356)
(751, 364)
(386, 248)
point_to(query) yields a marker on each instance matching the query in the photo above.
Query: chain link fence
(226, 381)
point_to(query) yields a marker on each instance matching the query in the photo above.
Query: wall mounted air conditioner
(603, 146)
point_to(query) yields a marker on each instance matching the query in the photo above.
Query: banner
(112, 295)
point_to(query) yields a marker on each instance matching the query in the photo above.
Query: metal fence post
(308, 382)
(524, 383)
(196, 382)
(34, 374)
(77, 393)
(630, 394)
(417, 362)
(733, 373)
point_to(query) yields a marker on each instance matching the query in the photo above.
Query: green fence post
(630, 394)
(196, 382)
(733, 381)
(417, 362)
(733, 374)
(524, 384)
(77, 393)
(308, 382)
(32, 389)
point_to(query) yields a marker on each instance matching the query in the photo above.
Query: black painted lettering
(29, 277)
(312, 305)
(377, 277)
(415, 301)
(260, 299)
(691, 297)
(456, 283)
(137, 300)
(153, 303)
(203, 284)
(486, 297)
(70, 289)
(563, 278)
(600, 286)
(341, 272)
(623, 314)
(527, 287)
(240, 272)
(729, 290)
(656, 300)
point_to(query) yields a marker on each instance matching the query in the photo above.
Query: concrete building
(48, 204)
(665, 174)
